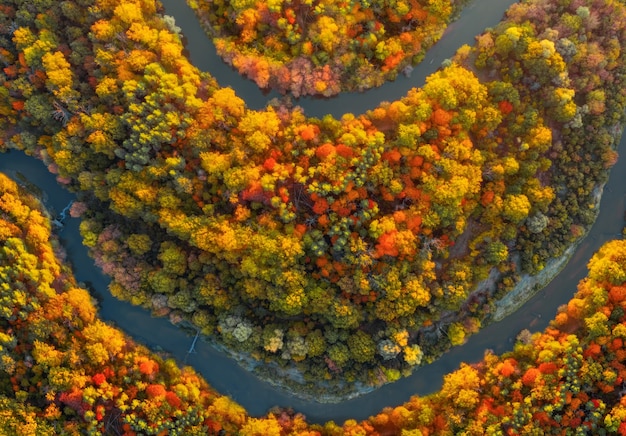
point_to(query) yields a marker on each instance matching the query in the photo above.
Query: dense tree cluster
(349, 248)
(323, 47)
(63, 371)
(556, 52)
(569, 379)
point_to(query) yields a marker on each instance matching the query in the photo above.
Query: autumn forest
(338, 254)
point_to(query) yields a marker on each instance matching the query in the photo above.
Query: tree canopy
(344, 248)
(323, 47)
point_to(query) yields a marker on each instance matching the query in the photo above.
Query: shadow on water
(222, 372)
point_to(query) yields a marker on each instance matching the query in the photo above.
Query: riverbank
(290, 380)
(472, 20)
(159, 338)
(123, 390)
(258, 397)
(529, 285)
(340, 347)
(293, 64)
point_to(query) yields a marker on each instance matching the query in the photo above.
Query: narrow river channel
(222, 372)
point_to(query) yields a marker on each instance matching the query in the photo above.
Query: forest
(324, 47)
(63, 371)
(352, 250)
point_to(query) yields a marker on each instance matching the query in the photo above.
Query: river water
(228, 377)
(477, 16)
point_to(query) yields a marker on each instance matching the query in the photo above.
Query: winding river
(477, 15)
(229, 378)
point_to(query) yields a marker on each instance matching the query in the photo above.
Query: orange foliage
(399, 216)
(592, 349)
(299, 230)
(617, 294)
(323, 220)
(155, 391)
(309, 132)
(487, 198)
(320, 206)
(414, 222)
(561, 319)
(417, 161)
(547, 367)
(18, 105)
(507, 368)
(269, 164)
(393, 156)
(387, 244)
(172, 399)
(417, 185)
(344, 151)
(98, 379)
(325, 150)
(148, 367)
(440, 117)
(505, 107)
(10, 71)
(530, 376)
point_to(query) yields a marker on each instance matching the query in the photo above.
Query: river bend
(222, 372)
